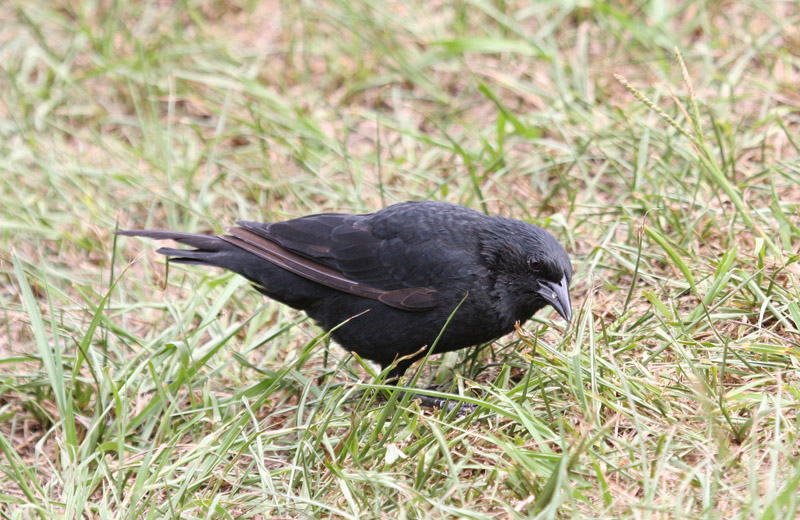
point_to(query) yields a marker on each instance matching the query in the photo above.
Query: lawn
(658, 141)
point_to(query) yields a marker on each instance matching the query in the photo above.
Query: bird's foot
(442, 403)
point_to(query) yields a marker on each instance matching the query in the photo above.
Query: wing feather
(410, 299)
(399, 255)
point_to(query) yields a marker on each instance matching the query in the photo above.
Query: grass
(672, 179)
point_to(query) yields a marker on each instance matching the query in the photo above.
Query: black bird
(402, 272)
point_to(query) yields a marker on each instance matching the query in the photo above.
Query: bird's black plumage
(401, 272)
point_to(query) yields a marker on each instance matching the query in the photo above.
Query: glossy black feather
(401, 271)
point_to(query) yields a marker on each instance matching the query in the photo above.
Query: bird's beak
(557, 295)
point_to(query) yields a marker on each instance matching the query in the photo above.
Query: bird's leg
(442, 403)
(427, 401)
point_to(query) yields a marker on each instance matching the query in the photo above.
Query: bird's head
(530, 264)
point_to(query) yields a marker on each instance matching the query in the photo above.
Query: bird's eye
(534, 265)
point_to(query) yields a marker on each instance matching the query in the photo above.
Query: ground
(657, 141)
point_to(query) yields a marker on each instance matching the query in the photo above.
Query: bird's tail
(208, 249)
(270, 279)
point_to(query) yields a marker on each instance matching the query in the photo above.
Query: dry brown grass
(192, 115)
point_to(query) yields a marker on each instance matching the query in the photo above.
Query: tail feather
(186, 256)
(206, 247)
(208, 243)
(270, 279)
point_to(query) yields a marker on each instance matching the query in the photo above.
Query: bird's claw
(442, 403)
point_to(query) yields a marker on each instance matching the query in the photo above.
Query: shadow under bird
(399, 273)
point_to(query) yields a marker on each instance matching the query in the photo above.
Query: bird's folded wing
(386, 255)
(409, 299)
